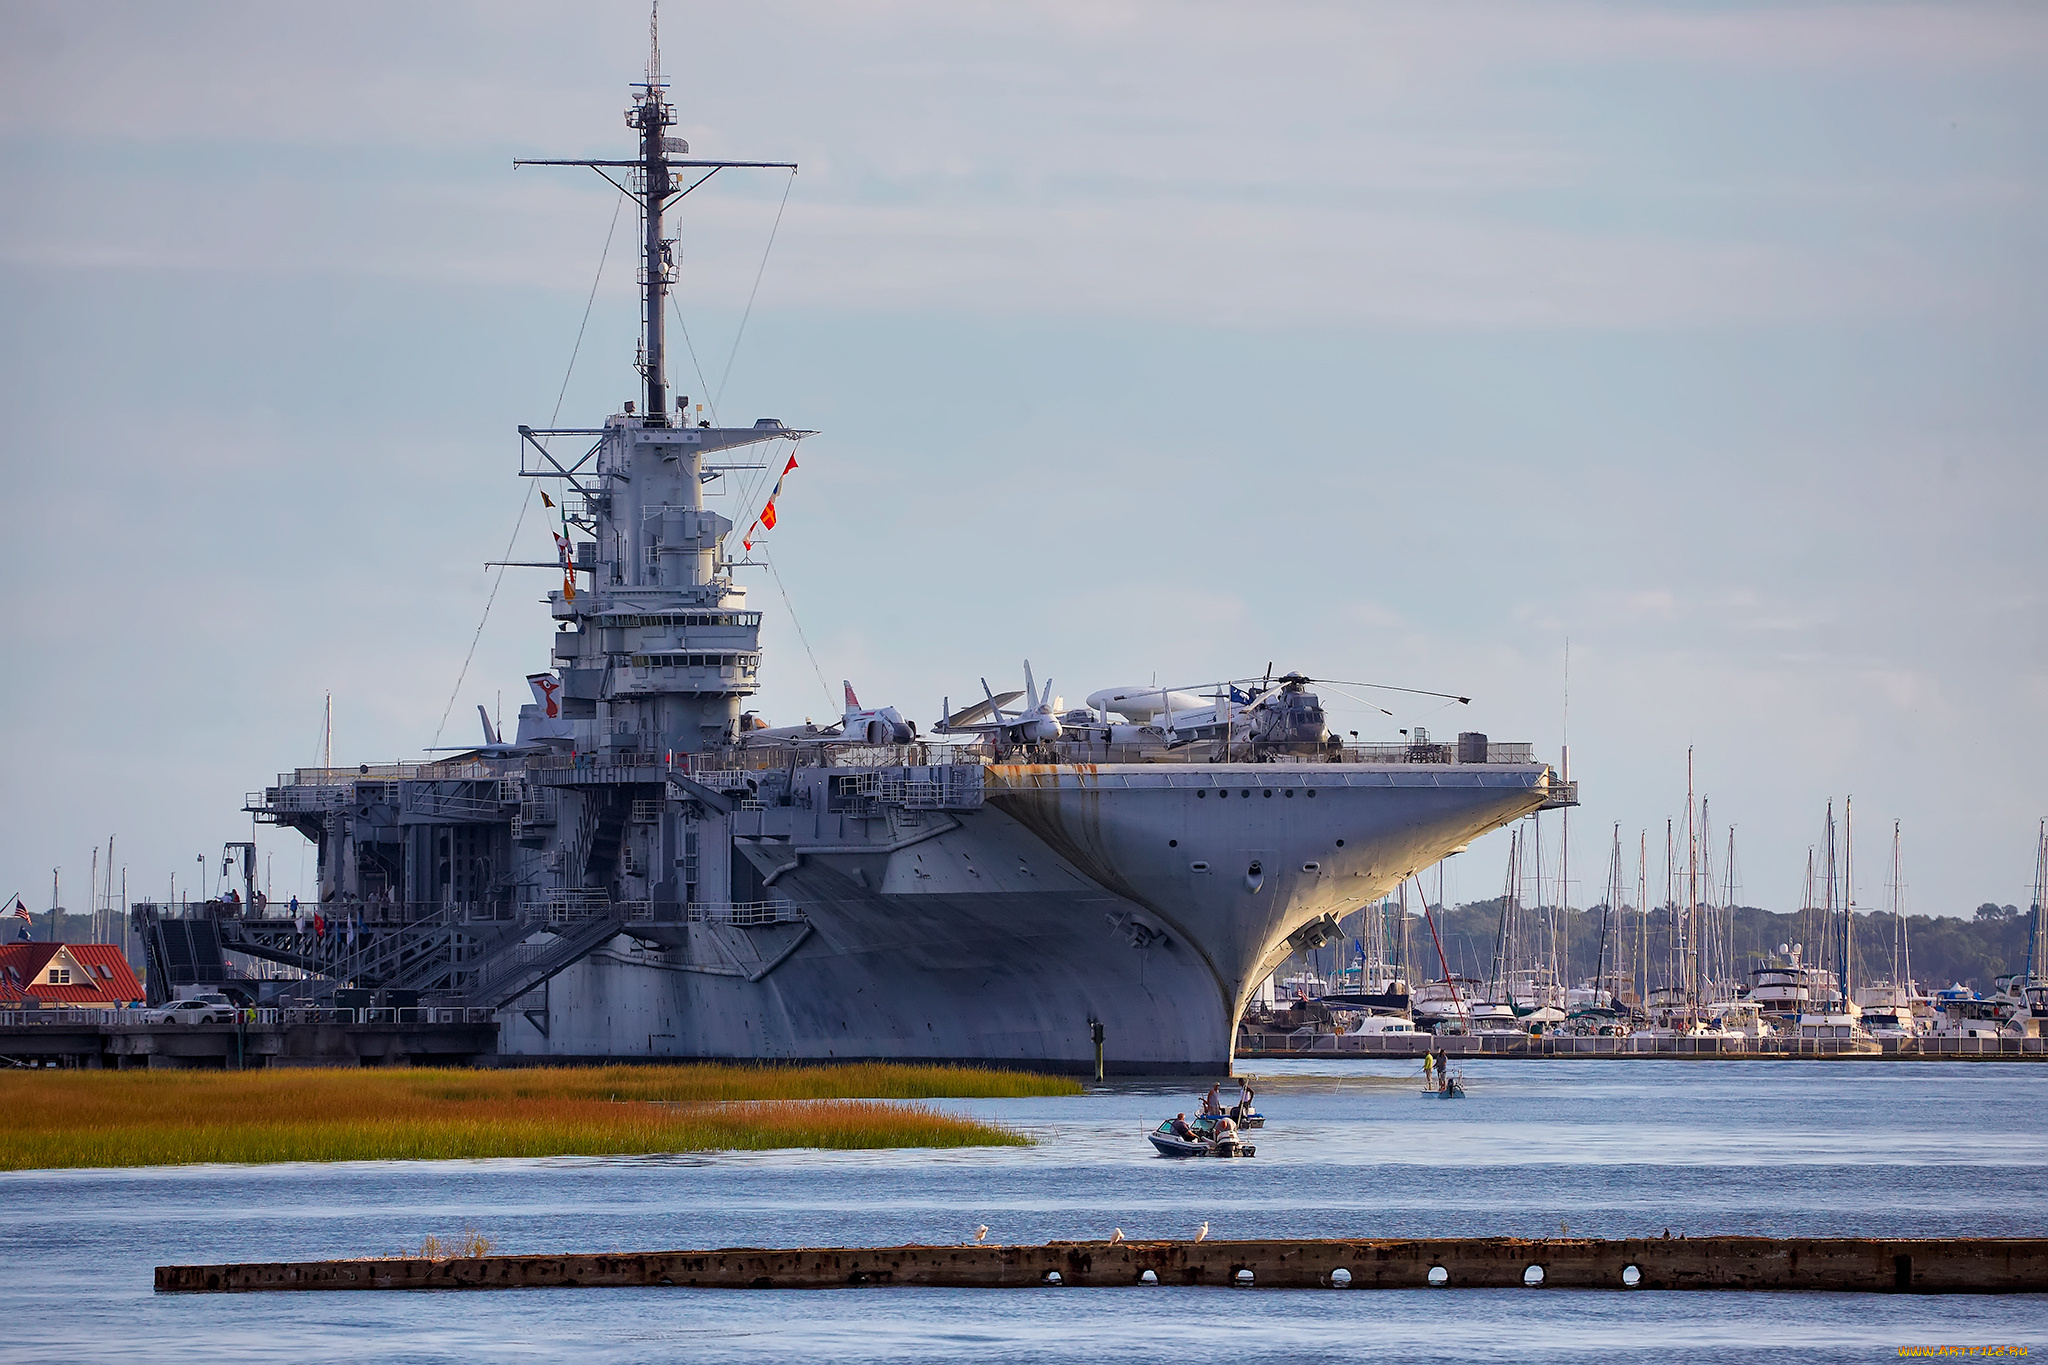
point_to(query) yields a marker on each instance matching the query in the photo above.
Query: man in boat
(1428, 1070)
(1243, 1107)
(1181, 1129)
(1210, 1103)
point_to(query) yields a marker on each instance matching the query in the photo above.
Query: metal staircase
(517, 968)
(444, 952)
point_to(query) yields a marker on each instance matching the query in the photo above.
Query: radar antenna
(654, 44)
(651, 183)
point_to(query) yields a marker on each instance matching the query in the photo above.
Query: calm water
(1603, 1148)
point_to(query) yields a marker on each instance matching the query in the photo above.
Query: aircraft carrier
(646, 870)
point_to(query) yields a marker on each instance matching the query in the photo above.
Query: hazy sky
(1390, 342)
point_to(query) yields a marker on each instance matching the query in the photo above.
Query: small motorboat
(1446, 1087)
(1210, 1139)
(1244, 1113)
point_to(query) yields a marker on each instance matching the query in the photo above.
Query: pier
(121, 1040)
(1255, 1047)
(1841, 1264)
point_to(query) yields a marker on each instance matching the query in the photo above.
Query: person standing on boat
(1210, 1103)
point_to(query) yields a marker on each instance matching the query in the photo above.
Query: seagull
(1202, 1231)
(1115, 1235)
(980, 1233)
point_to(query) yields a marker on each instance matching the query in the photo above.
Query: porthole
(1340, 842)
(1290, 793)
(1198, 867)
(1311, 867)
(1311, 793)
(1246, 794)
(1202, 795)
(1439, 1277)
(1269, 793)
(1173, 843)
(1631, 1276)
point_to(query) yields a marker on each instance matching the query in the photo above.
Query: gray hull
(1151, 898)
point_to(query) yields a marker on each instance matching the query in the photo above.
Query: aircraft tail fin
(490, 735)
(852, 702)
(546, 691)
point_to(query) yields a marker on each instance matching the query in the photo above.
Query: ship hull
(1004, 934)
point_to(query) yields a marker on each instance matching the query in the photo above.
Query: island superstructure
(643, 871)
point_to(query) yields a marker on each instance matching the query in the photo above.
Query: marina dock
(1257, 1047)
(1844, 1264)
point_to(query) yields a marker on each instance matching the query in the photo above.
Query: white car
(216, 1011)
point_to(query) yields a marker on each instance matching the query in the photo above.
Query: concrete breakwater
(1843, 1264)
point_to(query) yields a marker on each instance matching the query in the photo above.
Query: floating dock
(1972, 1265)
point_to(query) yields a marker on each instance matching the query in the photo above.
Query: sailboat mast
(1561, 923)
(1709, 933)
(1898, 913)
(1504, 935)
(2035, 938)
(1827, 909)
(1641, 962)
(1692, 888)
(1728, 909)
(1671, 959)
(1443, 965)
(1607, 915)
(1848, 899)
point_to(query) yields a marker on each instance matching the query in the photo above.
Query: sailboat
(1495, 1009)
(1595, 1006)
(1840, 1027)
(1895, 1007)
(2032, 988)
(2022, 996)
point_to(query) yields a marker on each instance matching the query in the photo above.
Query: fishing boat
(1450, 1087)
(1210, 1139)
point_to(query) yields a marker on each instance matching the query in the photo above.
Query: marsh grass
(142, 1118)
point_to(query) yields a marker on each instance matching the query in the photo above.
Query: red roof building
(57, 975)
